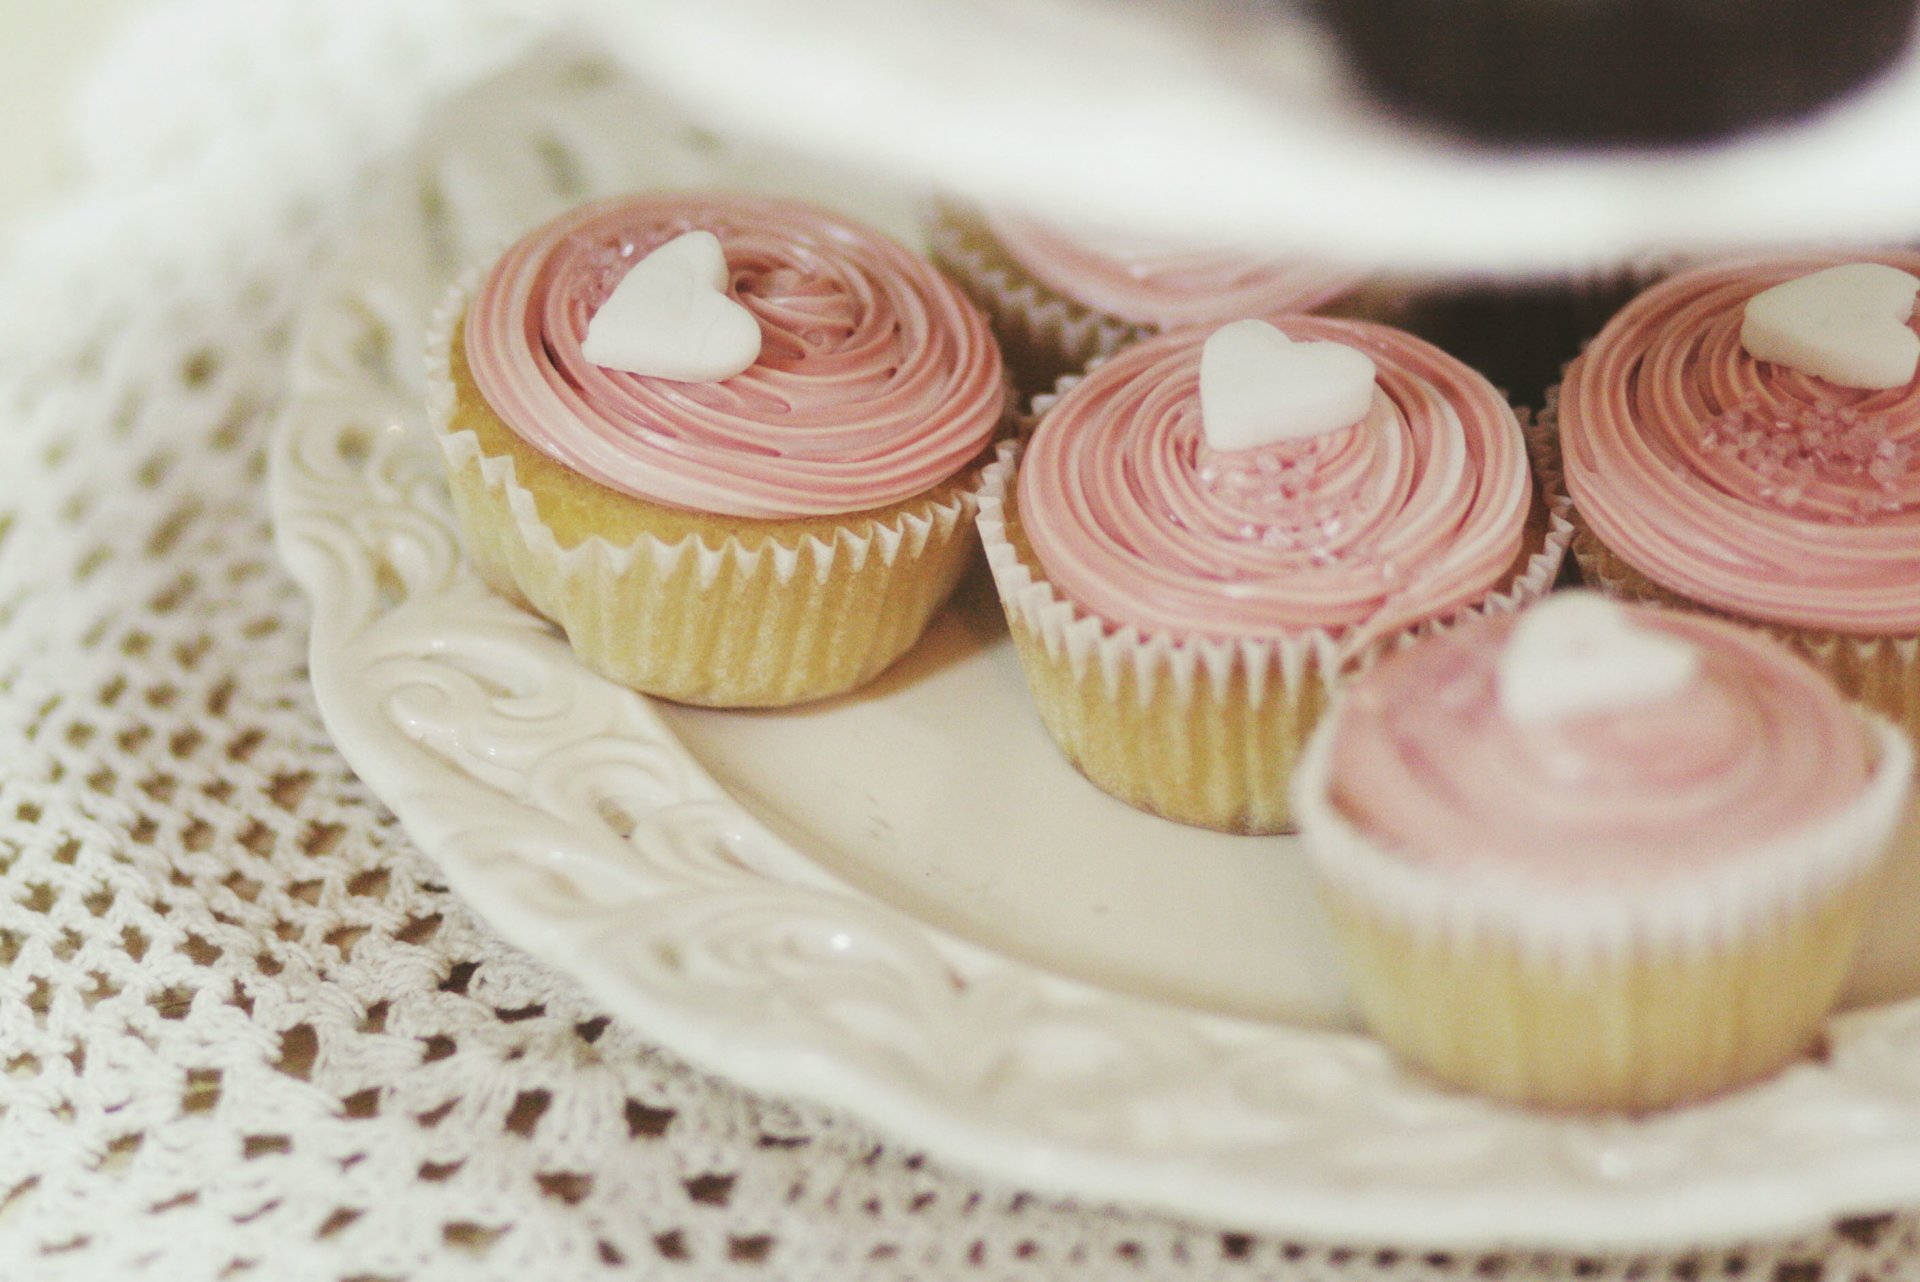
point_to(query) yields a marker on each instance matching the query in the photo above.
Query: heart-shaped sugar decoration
(1579, 652)
(670, 317)
(1258, 387)
(1847, 325)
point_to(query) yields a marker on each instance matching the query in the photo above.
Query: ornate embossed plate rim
(571, 818)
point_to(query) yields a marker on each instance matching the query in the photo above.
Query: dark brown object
(1614, 72)
(1521, 334)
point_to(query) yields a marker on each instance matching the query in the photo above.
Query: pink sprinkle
(1790, 447)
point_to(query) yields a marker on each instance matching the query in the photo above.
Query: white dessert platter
(904, 903)
(1234, 119)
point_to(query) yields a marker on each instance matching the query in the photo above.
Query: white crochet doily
(248, 1030)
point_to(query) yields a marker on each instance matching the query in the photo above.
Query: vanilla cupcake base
(714, 610)
(1881, 672)
(1634, 1037)
(1202, 732)
(1596, 999)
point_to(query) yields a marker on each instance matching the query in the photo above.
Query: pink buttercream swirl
(1415, 511)
(1754, 747)
(1740, 483)
(1153, 282)
(876, 380)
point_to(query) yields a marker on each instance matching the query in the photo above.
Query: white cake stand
(1198, 120)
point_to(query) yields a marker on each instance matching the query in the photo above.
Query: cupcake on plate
(1744, 438)
(1211, 528)
(729, 444)
(1598, 856)
(1061, 298)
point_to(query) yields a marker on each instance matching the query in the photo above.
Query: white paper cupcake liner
(1044, 334)
(849, 603)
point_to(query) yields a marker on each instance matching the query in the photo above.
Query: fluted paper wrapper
(1200, 731)
(1882, 672)
(1043, 335)
(1598, 998)
(711, 617)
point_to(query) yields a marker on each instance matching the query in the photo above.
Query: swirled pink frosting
(1149, 282)
(1415, 511)
(1756, 746)
(1740, 483)
(877, 379)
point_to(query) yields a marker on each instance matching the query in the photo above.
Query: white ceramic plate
(904, 903)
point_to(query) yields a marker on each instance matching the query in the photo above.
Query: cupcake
(1628, 72)
(1059, 298)
(1598, 856)
(1204, 534)
(1744, 438)
(728, 444)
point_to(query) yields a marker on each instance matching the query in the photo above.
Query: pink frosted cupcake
(729, 444)
(1601, 857)
(1184, 589)
(1060, 298)
(1779, 486)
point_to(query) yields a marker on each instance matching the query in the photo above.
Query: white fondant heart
(1846, 324)
(1579, 652)
(670, 317)
(1257, 386)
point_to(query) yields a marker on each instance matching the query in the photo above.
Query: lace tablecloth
(246, 1029)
